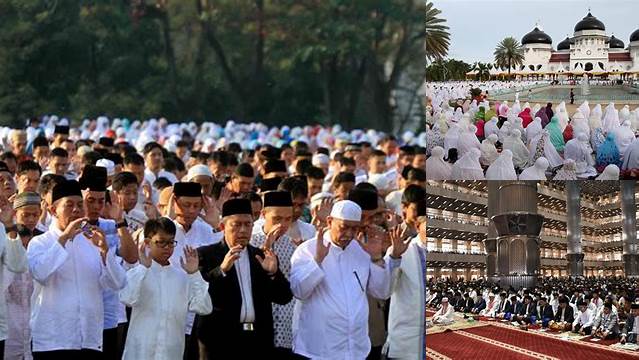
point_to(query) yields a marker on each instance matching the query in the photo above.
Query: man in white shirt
(154, 160)
(583, 320)
(330, 276)
(71, 264)
(445, 315)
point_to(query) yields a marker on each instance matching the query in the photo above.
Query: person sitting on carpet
(545, 311)
(606, 325)
(527, 311)
(491, 307)
(564, 317)
(445, 315)
(630, 331)
(466, 304)
(479, 306)
(583, 320)
(505, 306)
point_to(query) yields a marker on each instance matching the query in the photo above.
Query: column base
(631, 265)
(575, 265)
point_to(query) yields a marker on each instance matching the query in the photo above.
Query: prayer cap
(26, 199)
(445, 299)
(237, 206)
(346, 210)
(65, 189)
(270, 184)
(317, 198)
(581, 303)
(94, 178)
(187, 189)
(108, 165)
(277, 199)
(366, 199)
(61, 129)
(40, 141)
(421, 208)
(353, 147)
(634, 306)
(275, 166)
(106, 141)
(320, 159)
(4, 167)
(608, 305)
(197, 170)
(245, 170)
(116, 158)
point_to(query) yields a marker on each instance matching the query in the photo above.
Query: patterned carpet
(500, 341)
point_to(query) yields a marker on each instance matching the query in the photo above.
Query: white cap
(108, 164)
(317, 198)
(197, 170)
(346, 210)
(320, 159)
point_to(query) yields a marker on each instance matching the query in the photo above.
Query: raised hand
(190, 261)
(321, 250)
(373, 242)
(71, 231)
(6, 212)
(211, 211)
(268, 262)
(230, 257)
(98, 238)
(116, 212)
(392, 219)
(397, 235)
(148, 192)
(276, 232)
(144, 257)
(322, 211)
(170, 208)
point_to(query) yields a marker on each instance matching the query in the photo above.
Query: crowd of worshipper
(181, 241)
(601, 307)
(476, 140)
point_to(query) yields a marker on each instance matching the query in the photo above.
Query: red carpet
(455, 346)
(557, 348)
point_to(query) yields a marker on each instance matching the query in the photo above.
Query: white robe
(436, 167)
(444, 316)
(13, 257)
(160, 297)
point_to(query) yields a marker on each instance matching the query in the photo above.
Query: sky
(476, 26)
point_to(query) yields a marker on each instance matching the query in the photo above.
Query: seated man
(445, 314)
(606, 325)
(545, 311)
(528, 309)
(479, 306)
(630, 331)
(491, 307)
(564, 317)
(466, 304)
(583, 320)
(505, 306)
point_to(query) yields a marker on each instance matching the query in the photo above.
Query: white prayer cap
(320, 159)
(197, 170)
(317, 198)
(83, 150)
(108, 164)
(491, 295)
(381, 181)
(346, 210)
(445, 300)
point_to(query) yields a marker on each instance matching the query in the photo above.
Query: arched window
(601, 65)
(588, 67)
(531, 67)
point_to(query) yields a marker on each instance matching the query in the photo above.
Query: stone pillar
(438, 273)
(574, 253)
(453, 245)
(438, 244)
(467, 274)
(518, 227)
(629, 229)
(490, 244)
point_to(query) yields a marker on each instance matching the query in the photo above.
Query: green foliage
(449, 69)
(509, 53)
(275, 61)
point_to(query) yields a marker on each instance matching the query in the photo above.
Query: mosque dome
(634, 36)
(564, 45)
(616, 43)
(536, 37)
(590, 23)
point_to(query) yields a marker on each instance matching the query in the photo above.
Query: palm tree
(508, 53)
(437, 36)
(482, 69)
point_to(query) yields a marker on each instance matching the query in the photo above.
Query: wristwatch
(122, 224)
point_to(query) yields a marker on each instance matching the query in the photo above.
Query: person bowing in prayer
(631, 329)
(244, 281)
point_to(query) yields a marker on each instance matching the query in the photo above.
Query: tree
(483, 70)
(437, 36)
(509, 53)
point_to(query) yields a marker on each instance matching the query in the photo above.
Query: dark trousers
(375, 353)
(110, 344)
(239, 348)
(286, 354)
(2, 349)
(191, 346)
(83, 354)
(587, 330)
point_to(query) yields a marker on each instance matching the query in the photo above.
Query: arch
(588, 66)
(517, 256)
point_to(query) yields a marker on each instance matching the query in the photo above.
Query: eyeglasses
(166, 244)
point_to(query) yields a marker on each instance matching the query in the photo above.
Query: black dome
(536, 37)
(616, 43)
(590, 23)
(634, 36)
(564, 45)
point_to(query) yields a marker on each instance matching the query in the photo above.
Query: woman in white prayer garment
(489, 152)
(584, 108)
(452, 137)
(578, 149)
(611, 172)
(567, 172)
(520, 152)
(579, 123)
(504, 131)
(594, 120)
(533, 129)
(468, 167)
(542, 146)
(491, 127)
(436, 167)
(537, 171)
(502, 168)
(610, 118)
(624, 114)
(631, 156)
(623, 137)
(468, 140)
(562, 114)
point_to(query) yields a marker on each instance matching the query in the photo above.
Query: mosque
(589, 51)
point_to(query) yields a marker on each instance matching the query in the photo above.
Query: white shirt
(150, 177)
(243, 271)
(331, 316)
(67, 311)
(160, 297)
(584, 318)
(13, 256)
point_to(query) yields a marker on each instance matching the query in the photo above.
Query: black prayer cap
(608, 305)
(275, 166)
(277, 199)
(192, 189)
(237, 206)
(270, 184)
(421, 208)
(634, 306)
(64, 189)
(4, 167)
(366, 199)
(106, 141)
(116, 158)
(61, 129)
(195, 154)
(581, 303)
(40, 141)
(93, 178)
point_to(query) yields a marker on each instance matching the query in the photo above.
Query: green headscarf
(481, 114)
(490, 114)
(556, 136)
